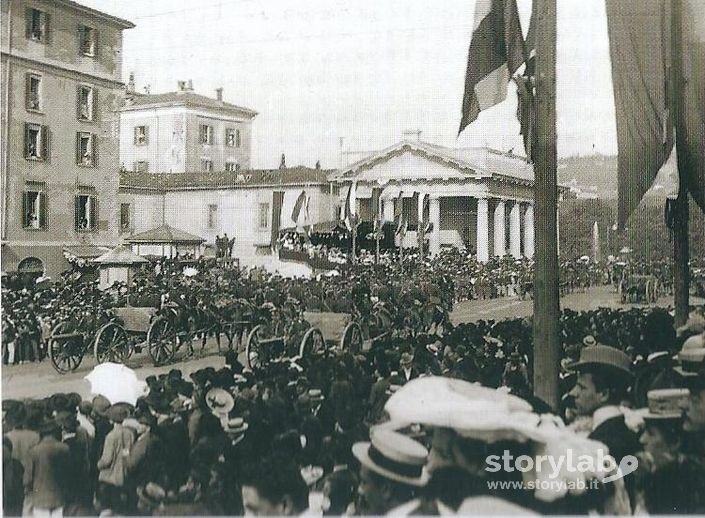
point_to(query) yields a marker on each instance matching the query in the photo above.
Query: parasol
(116, 382)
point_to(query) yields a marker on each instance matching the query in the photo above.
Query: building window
(36, 142)
(232, 166)
(124, 217)
(33, 100)
(141, 135)
(212, 215)
(87, 37)
(34, 207)
(86, 212)
(86, 149)
(141, 166)
(264, 215)
(205, 134)
(232, 137)
(37, 25)
(86, 103)
(206, 165)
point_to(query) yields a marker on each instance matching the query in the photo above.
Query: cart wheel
(161, 341)
(111, 344)
(65, 354)
(352, 338)
(252, 348)
(313, 343)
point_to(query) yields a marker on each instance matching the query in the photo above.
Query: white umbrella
(116, 382)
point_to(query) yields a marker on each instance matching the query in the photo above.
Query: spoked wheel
(313, 343)
(161, 341)
(352, 338)
(65, 353)
(252, 349)
(111, 344)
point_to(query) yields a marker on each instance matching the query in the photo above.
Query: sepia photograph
(352, 257)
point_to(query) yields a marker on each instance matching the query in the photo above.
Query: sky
(365, 71)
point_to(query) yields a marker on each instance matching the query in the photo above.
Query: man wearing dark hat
(604, 376)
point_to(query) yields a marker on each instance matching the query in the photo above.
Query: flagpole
(681, 252)
(547, 345)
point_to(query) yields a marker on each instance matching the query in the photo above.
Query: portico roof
(465, 162)
(164, 234)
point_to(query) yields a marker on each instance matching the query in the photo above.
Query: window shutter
(146, 134)
(94, 212)
(134, 135)
(78, 102)
(46, 143)
(77, 212)
(42, 210)
(237, 138)
(81, 38)
(28, 22)
(94, 149)
(94, 100)
(78, 147)
(46, 27)
(25, 207)
(26, 140)
(28, 91)
(96, 39)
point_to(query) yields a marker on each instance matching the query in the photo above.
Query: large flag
(694, 95)
(496, 52)
(639, 48)
(277, 202)
(300, 201)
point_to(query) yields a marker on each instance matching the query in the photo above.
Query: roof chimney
(190, 85)
(131, 83)
(219, 94)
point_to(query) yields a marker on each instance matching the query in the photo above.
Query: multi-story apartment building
(61, 92)
(183, 131)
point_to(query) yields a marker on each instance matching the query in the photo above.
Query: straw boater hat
(604, 356)
(220, 401)
(315, 395)
(407, 359)
(236, 426)
(665, 404)
(692, 360)
(394, 456)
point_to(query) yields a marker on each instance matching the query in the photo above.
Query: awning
(319, 228)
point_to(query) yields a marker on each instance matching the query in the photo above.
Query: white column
(515, 230)
(387, 210)
(500, 235)
(529, 231)
(483, 238)
(434, 213)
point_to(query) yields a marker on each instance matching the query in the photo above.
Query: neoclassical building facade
(478, 199)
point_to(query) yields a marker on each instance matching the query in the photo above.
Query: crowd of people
(406, 427)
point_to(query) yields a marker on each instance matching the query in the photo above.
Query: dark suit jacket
(48, 474)
(617, 437)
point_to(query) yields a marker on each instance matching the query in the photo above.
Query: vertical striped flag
(300, 201)
(350, 217)
(496, 52)
(399, 218)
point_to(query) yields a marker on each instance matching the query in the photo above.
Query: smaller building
(182, 131)
(166, 241)
(250, 206)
